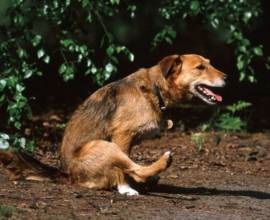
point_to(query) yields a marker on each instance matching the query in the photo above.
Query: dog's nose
(225, 76)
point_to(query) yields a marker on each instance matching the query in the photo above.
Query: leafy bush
(25, 48)
(39, 35)
(230, 119)
(228, 17)
(229, 122)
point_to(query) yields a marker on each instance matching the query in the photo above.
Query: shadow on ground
(204, 191)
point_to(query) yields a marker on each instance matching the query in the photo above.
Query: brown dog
(98, 138)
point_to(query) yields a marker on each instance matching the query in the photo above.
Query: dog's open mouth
(206, 93)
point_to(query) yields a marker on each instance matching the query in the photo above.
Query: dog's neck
(161, 102)
(169, 98)
(166, 94)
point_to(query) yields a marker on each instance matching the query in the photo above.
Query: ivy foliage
(38, 35)
(233, 17)
(34, 33)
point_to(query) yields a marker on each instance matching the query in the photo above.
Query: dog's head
(192, 74)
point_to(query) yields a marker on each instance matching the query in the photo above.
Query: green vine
(36, 34)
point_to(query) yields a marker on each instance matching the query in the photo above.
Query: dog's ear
(169, 64)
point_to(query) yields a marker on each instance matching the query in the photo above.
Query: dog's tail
(20, 165)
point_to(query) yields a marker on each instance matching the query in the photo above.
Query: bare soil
(227, 177)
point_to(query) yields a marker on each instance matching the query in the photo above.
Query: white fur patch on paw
(168, 153)
(127, 190)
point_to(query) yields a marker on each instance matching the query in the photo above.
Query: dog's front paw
(127, 190)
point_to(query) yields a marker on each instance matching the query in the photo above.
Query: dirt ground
(221, 176)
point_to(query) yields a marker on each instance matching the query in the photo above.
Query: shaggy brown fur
(99, 136)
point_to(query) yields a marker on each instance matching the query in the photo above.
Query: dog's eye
(200, 67)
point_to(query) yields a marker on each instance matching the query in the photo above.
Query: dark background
(51, 92)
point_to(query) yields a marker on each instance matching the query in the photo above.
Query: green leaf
(215, 22)
(3, 84)
(4, 141)
(240, 64)
(109, 67)
(39, 73)
(40, 53)
(67, 71)
(89, 17)
(242, 76)
(88, 63)
(93, 70)
(251, 78)
(46, 59)
(28, 73)
(110, 50)
(238, 106)
(21, 53)
(22, 142)
(80, 57)
(17, 125)
(120, 49)
(67, 2)
(36, 40)
(115, 2)
(20, 88)
(4, 136)
(247, 16)
(131, 57)
(85, 3)
(62, 68)
(258, 51)
(67, 42)
(194, 6)
(168, 40)
(229, 122)
(2, 99)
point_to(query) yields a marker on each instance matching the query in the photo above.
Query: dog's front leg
(123, 140)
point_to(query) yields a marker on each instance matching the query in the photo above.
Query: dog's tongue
(218, 97)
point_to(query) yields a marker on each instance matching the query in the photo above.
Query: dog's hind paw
(127, 190)
(168, 155)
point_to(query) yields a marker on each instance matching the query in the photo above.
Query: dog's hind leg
(138, 172)
(142, 173)
(101, 164)
(96, 165)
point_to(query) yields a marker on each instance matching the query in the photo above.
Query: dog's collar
(161, 102)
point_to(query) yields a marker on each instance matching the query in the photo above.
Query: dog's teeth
(213, 98)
